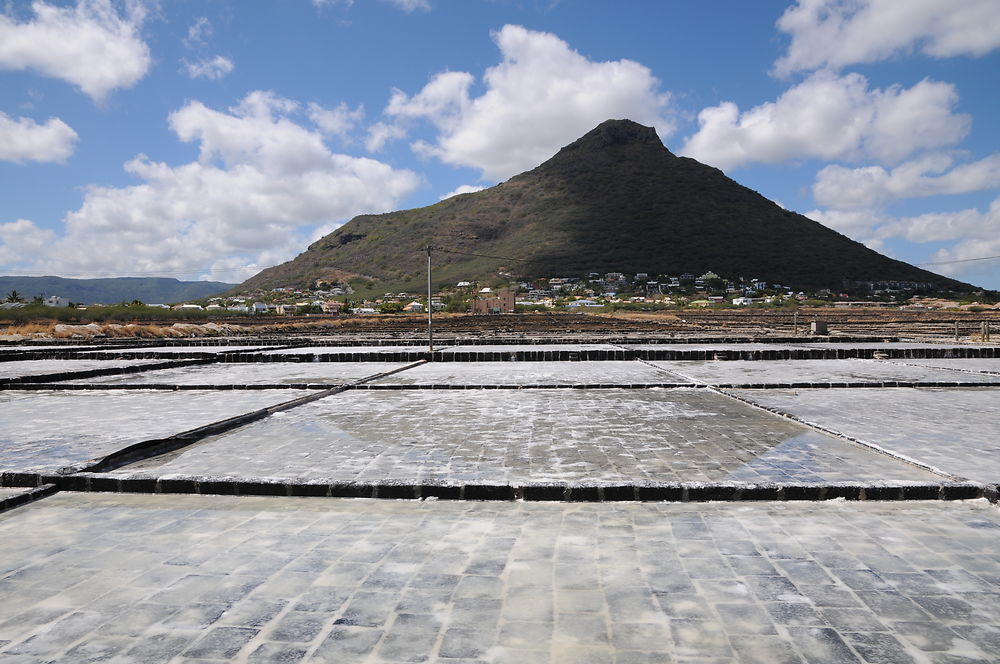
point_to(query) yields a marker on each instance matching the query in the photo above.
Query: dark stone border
(568, 355)
(532, 492)
(31, 495)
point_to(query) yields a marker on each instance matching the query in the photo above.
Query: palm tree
(14, 296)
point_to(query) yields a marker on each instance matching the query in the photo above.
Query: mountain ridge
(152, 290)
(616, 199)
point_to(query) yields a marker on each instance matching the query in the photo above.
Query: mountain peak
(614, 200)
(616, 134)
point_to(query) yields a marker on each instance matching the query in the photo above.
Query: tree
(14, 296)
(390, 307)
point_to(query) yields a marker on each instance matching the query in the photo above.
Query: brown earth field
(733, 324)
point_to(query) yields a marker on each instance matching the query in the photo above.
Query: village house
(501, 302)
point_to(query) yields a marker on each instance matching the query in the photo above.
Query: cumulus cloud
(929, 175)
(541, 96)
(405, 5)
(20, 239)
(973, 233)
(210, 68)
(199, 33)
(381, 133)
(90, 45)
(858, 224)
(23, 139)
(463, 189)
(968, 233)
(262, 183)
(833, 118)
(838, 33)
(410, 5)
(337, 121)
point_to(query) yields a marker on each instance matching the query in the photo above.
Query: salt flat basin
(953, 429)
(46, 430)
(264, 373)
(608, 436)
(530, 373)
(20, 368)
(816, 371)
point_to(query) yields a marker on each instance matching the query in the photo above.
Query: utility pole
(430, 309)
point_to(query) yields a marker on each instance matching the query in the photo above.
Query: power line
(964, 260)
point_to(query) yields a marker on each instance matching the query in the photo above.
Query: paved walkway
(90, 577)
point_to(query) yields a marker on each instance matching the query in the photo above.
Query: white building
(56, 301)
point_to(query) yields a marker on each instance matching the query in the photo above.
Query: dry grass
(30, 329)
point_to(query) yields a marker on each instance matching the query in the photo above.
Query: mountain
(614, 200)
(111, 291)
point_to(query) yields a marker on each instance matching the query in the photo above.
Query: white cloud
(838, 33)
(970, 226)
(381, 133)
(463, 189)
(22, 139)
(857, 224)
(260, 186)
(541, 96)
(338, 121)
(211, 68)
(974, 233)
(20, 239)
(970, 234)
(831, 117)
(90, 45)
(410, 5)
(929, 175)
(405, 5)
(199, 33)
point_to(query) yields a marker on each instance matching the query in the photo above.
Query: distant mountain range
(111, 291)
(615, 200)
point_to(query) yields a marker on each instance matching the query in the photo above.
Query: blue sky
(211, 139)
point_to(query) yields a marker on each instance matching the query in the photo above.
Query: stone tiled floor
(18, 368)
(816, 371)
(952, 429)
(120, 578)
(172, 578)
(984, 364)
(267, 373)
(499, 436)
(46, 430)
(531, 373)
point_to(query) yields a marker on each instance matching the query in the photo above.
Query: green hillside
(614, 200)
